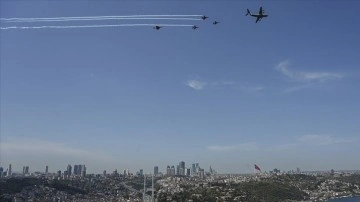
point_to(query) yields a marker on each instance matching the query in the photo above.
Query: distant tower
(83, 171)
(9, 171)
(69, 168)
(76, 169)
(26, 169)
(144, 188)
(46, 169)
(182, 168)
(104, 173)
(156, 170)
(152, 188)
(1, 172)
(188, 172)
(201, 173)
(193, 169)
(172, 170)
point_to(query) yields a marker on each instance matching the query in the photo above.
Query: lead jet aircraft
(215, 22)
(157, 27)
(258, 16)
(204, 17)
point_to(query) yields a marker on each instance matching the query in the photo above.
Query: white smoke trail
(93, 26)
(116, 16)
(95, 19)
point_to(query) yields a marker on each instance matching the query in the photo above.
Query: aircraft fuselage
(259, 16)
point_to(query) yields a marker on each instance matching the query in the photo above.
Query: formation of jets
(258, 17)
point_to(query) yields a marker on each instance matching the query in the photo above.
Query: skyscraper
(201, 173)
(9, 171)
(182, 168)
(168, 171)
(156, 170)
(83, 171)
(59, 173)
(193, 169)
(26, 170)
(1, 172)
(188, 172)
(76, 170)
(177, 170)
(46, 169)
(68, 170)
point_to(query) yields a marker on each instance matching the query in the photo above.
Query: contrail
(93, 26)
(116, 16)
(93, 19)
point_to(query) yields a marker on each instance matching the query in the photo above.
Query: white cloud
(200, 85)
(223, 83)
(322, 140)
(251, 146)
(301, 76)
(296, 88)
(252, 89)
(196, 85)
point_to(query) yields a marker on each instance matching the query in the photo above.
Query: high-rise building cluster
(79, 170)
(25, 170)
(182, 170)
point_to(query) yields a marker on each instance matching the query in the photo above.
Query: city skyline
(281, 93)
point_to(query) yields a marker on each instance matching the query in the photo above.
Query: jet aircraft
(215, 22)
(258, 16)
(195, 27)
(204, 17)
(157, 27)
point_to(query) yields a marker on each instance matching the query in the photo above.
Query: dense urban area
(176, 184)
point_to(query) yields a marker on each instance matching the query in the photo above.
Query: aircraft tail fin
(248, 12)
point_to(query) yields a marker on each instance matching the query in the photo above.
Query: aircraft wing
(261, 11)
(258, 19)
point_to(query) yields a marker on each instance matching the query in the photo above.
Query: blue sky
(282, 93)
